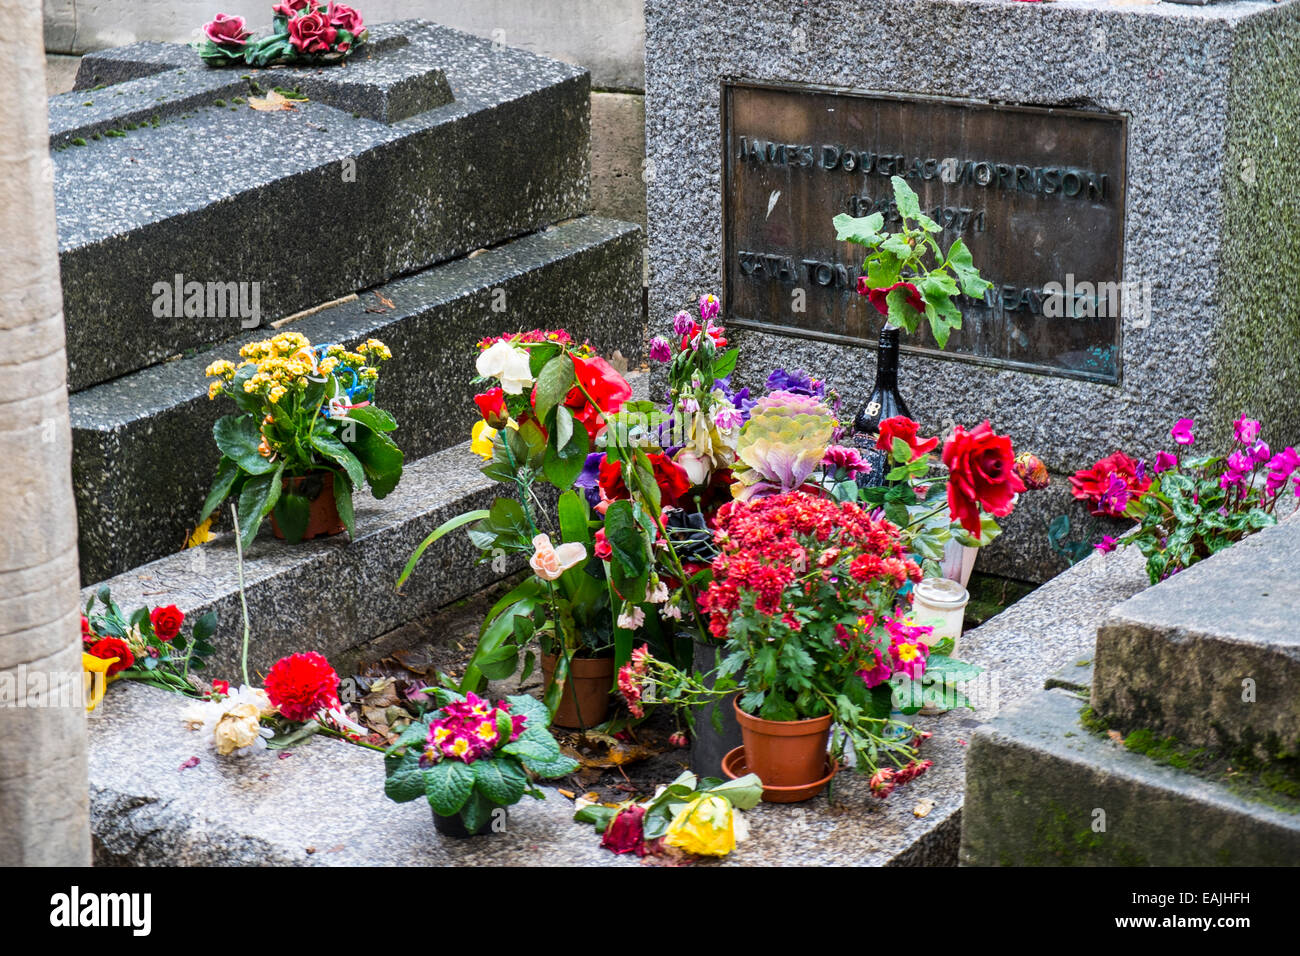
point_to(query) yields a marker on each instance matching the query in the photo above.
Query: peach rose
(549, 562)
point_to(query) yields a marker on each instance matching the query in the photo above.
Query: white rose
(503, 361)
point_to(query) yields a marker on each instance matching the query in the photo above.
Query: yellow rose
(237, 728)
(481, 439)
(704, 826)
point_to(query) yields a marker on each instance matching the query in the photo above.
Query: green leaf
(865, 231)
(500, 780)
(376, 419)
(624, 537)
(498, 663)
(539, 718)
(336, 451)
(438, 532)
(256, 500)
(227, 472)
(343, 502)
(563, 467)
(563, 426)
(380, 459)
(725, 363)
(448, 784)
(292, 512)
(553, 384)
(476, 812)
(901, 313)
(598, 816)
(205, 626)
(238, 437)
(959, 258)
(908, 205)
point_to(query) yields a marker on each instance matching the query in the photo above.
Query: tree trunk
(44, 815)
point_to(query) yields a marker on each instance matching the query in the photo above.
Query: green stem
(243, 601)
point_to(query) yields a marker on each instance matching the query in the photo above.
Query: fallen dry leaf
(923, 807)
(568, 793)
(200, 535)
(271, 102)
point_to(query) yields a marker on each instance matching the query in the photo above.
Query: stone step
(341, 193)
(327, 594)
(1042, 790)
(143, 455)
(1211, 655)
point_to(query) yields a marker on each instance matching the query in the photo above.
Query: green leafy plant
(304, 413)
(907, 274)
(467, 758)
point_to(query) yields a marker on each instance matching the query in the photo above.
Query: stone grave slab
(220, 194)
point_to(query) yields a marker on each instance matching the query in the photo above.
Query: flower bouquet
(1191, 508)
(146, 645)
(472, 759)
(303, 32)
(306, 435)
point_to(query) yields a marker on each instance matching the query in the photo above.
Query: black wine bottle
(883, 402)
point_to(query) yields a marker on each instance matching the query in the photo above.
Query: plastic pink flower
(1182, 431)
(682, 323)
(549, 562)
(660, 350)
(709, 308)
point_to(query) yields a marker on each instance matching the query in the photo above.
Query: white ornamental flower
(503, 361)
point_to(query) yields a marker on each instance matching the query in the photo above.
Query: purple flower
(682, 323)
(708, 308)
(1245, 429)
(1115, 498)
(589, 478)
(739, 398)
(1107, 544)
(660, 350)
(1165, 461)
(1140, 472)
(1182, 431)
(797, 382)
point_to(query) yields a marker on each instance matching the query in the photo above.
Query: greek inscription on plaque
(1037, 194)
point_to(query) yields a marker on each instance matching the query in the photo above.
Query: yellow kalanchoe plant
(304, 411)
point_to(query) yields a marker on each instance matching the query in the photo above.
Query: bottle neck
(887, 360)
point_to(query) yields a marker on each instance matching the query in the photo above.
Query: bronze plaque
(1037, 194)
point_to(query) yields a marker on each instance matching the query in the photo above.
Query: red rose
(87, 635)
(345, 18)
(608, 389)
(302, 685)
(900, 426)
(671, 478)
(109, 647)
(492, 405)
(980, 475)
(625, 833)
(226, 31)
(878, 297)
(166, 622)
(291, 8)
(1090, 484)
(312, 33)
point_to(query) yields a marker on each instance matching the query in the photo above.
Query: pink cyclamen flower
(660, 350)
(226, 30)
(1280, 468)
(1245, 430)
(1239, 465)
(1182, 431)
(1165, 461)
(1107, 544)
(1260, 453)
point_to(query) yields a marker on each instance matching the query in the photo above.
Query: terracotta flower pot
(586, 690)
(323, 517)
(784, 753)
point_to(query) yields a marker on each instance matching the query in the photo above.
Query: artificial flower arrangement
(1191, 508)
(696, 816)
(303, 32)
(145, 645)
(306, 435)
(470, 758)
(901, 279)
(622, 539)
